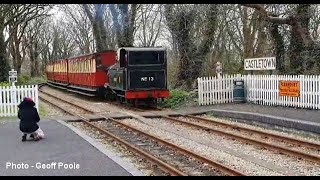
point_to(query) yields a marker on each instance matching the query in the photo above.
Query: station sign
(13, 76)
(265, 63)
(13, 73)
(289, 88)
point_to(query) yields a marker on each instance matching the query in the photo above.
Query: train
(129, 74)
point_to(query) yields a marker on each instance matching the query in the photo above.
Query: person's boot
(24, 137)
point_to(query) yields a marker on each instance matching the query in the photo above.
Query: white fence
(214, 90)
(261, 89)
(11, 97)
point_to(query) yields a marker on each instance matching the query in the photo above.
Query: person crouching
(29, 117)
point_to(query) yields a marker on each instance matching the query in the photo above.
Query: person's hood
(26, 103)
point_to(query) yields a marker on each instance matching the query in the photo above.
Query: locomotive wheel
(118, 99)
(151, 102)
(109, 95)
(121, 100)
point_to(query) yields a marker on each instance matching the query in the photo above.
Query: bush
(176, 98)
(23, 79)
(36, 80)
(5, 83)
(27, 80)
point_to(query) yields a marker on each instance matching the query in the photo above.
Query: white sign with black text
(265, 63)
(13, 73)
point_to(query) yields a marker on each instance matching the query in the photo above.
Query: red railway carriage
(49, 71)
(88, 72)
(57, 71)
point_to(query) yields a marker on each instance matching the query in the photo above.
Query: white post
(36, 96)
(14, 98)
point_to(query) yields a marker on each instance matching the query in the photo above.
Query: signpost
(218, 69)
(13, 77)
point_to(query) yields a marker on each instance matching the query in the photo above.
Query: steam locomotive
(132, 75)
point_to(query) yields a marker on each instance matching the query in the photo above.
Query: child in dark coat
(29, 118)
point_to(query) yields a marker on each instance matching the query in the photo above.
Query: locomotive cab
(122, 57)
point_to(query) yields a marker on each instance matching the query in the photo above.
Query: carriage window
(77, 66)
(81, 66)
(85, 66)
(88, 66)
(93, 65)
(146, 57)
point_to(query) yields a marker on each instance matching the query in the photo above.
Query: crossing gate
(12, 96)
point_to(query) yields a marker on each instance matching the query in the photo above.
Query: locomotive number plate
(147, 79)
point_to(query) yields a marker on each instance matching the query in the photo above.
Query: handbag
(40, 133)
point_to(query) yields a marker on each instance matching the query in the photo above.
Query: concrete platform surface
(61, 153)
(300, 119)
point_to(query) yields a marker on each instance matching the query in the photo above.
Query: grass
(42, 111)
(27, 80)
(8, 118)
(176, 99)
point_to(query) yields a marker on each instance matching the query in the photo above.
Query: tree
(17, 29)
(181, 20)
(124, 23)
(9, 13)
(149, 24)
(96, 17)
(301, 39)
(80, 26)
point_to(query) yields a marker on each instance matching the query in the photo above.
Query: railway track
(139, 109)
(44, 96)
(114, 103)
(168, 157)
(202, 123)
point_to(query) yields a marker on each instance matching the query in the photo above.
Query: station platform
(299, 119)
(65, 151)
